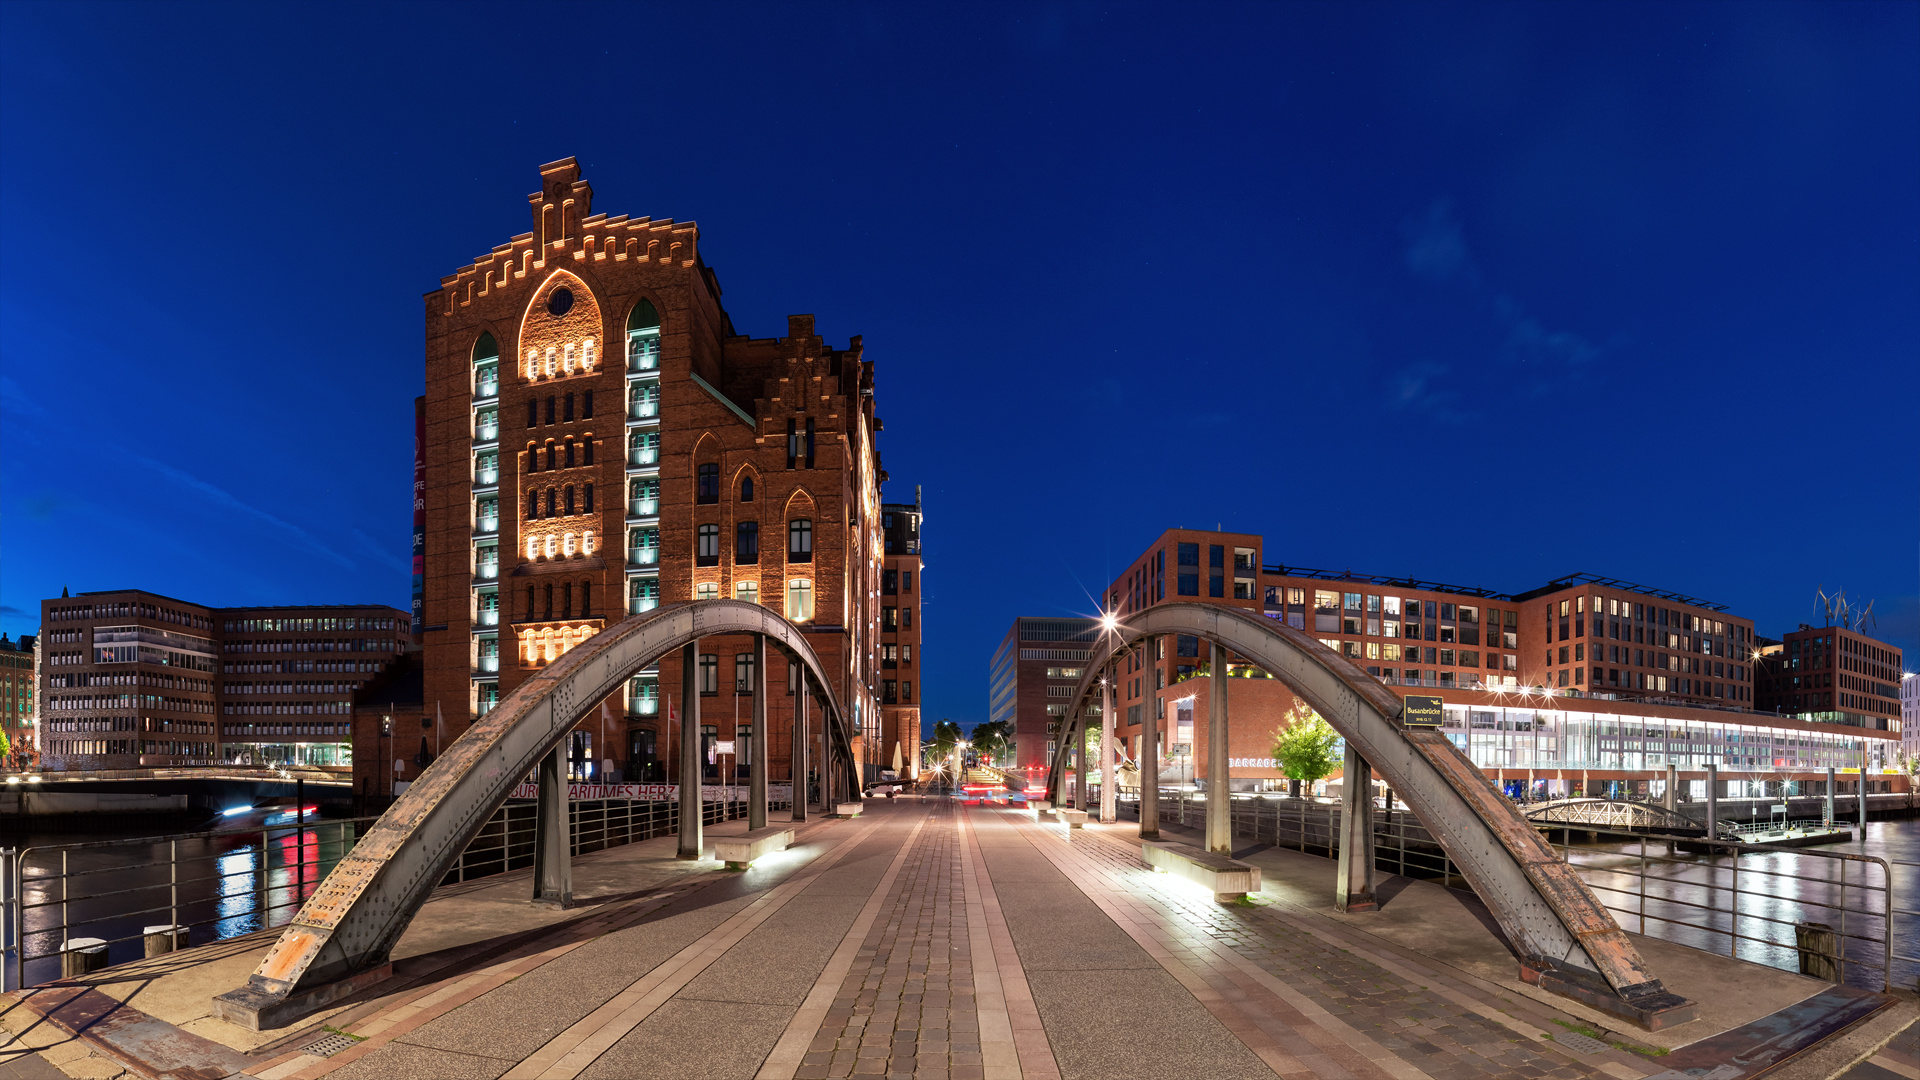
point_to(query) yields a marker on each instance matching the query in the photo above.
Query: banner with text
(657, 792)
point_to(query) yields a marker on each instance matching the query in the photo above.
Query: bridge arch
(1548, 914)
(350, 924)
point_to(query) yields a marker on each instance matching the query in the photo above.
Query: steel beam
(553, 834)
(1219, 791)
(1353, 881)
(1109, 788)
(1553, 921)
(348, 927)
(757, 782)
(1149, 754)
(802, 747)
(692, 773)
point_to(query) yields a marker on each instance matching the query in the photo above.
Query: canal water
(252, 875)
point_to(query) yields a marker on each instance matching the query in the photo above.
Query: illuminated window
(566, 361)
(706, 590)
(586, 355)
(566, 544)
(708, 552)
(548, 367)
(799, 599)
(586, 539)
(533, 363)
(552, 543)
(748, 591)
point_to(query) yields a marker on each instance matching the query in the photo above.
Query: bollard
(82, 956)
(165, 938)
(1819, 950)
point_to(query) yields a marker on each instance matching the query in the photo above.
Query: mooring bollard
(1819, 950)
(165, 938)
(82, 956)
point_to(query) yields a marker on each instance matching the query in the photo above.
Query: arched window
(486, 349)
(588, 508)
(643, 317)
(529, 592)
(586, 538)
(799, 599)
(706, 590)
(748, 591)
(800, 540)
(567, 502)
(586, 448)
(533, 364)
(566, 593)
(553, 544)
(586, 597)
(569, 457)
(643, 338)
(486, 366)
(549, 611)
(566, 546)
(533, 552)
(533, 505)
(746, 489)
(552, 504)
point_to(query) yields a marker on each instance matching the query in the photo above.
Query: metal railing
(1784, 907)
(216, 884)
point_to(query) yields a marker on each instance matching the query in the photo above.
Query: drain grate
(1584, 1044)
(331, 1045)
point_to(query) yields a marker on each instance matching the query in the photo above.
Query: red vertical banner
(419, 512)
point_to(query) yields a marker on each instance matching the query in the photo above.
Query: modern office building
(1832, 675)
(133, 679)
(1031, 678)
(901, 661)
(17, 695)
(598, 440)
(1910, 713)
(1585, 682)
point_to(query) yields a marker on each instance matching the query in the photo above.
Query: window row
(564, 454)
(559, 410)
(559, 502)
(545, 603)
(746, 543)
(707, 488)
(563, 359)
(556, 545)
(799, 595)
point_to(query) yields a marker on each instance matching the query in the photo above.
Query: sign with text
(1422, 712)
(657, 792)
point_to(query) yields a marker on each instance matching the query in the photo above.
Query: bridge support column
(552, 834)
(1353, 880)
(1109, 789)
(1219, 790)
(1149, 757)
(801, 743)
(1080, 766)
(691, 772)
(1863, 790)
(1829, 795)
(1672, 800)
(757, 743)
(1713, 801)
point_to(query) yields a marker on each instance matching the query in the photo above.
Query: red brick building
(599, 441)
(133, 679)
(900, 659)
(1833, 675)
(1585, 658)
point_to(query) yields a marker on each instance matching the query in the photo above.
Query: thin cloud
(1413, 390)
(1437, 247)
(224, 498)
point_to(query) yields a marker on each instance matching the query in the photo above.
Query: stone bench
(739, 851)
(1044, 806)
(1227, 879)
(1075, 819)
(846, 810)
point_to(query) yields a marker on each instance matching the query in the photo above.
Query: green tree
(992, 740)
(1303, 747)
(945, 734)
(6, 746)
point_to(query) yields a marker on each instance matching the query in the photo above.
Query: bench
(739, 851)
(1227, 879)
(1075, 819)
(846, 810)
(1044, 806)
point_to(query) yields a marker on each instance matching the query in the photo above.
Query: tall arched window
(746, 489)
(568, 499)
(643, 337)
(800, 540)
(588, 508)
(586, 598)
(486, 366)
(551, 502)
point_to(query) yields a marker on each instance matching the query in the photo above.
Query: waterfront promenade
(933, 940)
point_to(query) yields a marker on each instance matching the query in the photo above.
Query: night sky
(1480, 294)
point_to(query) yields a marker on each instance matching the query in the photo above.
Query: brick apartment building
(17, 689)
(133, 679)
(1832, 675)
(1543, 680)
(599, 441)
(900, 684)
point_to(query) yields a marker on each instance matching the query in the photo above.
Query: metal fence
(216, 884)
(1833, 914)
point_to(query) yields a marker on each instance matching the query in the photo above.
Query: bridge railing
(217, 884)
(1826, 913)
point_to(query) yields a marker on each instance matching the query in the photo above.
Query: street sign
(723, 746)
(1422, 712)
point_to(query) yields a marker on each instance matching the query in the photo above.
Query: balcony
(487, 526)
(487, 617)
(486, 384)
(486, 475)
(486, 433)
(487, 570)
(643, 408)
(643, 455)
(643, 556)
(638, 604)
(643, 507)
(488, 665)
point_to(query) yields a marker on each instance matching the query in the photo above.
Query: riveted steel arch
(355, 917)
(1547, 913)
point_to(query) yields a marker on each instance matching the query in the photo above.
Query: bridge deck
(925, 940)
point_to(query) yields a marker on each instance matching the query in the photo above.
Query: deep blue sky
(1481, 294)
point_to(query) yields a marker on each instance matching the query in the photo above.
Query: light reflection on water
(228, 884)
(1693, 899)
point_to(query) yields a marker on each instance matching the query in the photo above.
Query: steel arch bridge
(1619, 814)
(341, 937)
(1548, 914)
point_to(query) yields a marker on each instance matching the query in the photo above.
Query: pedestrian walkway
(935, 940)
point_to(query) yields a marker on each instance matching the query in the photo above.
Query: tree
(992, 739)
(1303, 747)
(945, 734)
(6, 746)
